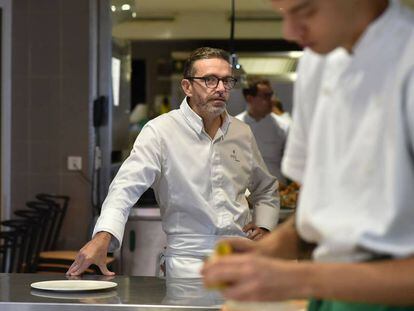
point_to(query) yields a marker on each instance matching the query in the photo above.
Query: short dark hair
(203, 53)
(278, 104)
(252, 83)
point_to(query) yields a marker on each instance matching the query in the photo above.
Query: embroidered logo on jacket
(234, 156)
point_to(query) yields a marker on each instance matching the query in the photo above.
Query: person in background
(199, 161)
(277, 108)
(269, 130)
(351, 146)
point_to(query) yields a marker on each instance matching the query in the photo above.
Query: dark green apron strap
(329, 305)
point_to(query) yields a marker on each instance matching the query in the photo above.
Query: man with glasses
(199, 161)
(269, 130)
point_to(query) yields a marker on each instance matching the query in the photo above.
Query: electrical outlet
(74, 163)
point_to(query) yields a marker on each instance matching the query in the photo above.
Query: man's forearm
(284, 242)
(388, 282)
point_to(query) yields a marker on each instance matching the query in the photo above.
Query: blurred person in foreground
(199, 161)
(351, 146)
(269, 130)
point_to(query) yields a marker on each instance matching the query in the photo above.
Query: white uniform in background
(352, 144)
(270, 134)
(199, 183)
(285, 116)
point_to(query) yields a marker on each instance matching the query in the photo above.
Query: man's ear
(187, 87)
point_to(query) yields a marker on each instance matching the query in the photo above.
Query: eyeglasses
(213, 81)
(265, 95)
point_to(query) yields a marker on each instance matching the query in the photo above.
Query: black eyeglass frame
(225, 83)
(268, 95)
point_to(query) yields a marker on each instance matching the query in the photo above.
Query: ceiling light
(134, 14)
(113, 8)
(125, 7)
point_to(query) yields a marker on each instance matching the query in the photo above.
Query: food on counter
(289, 195)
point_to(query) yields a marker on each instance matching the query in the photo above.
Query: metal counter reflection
(97, 297)
(190, 292)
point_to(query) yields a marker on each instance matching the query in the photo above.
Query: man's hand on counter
(254, 232)
(94, 252)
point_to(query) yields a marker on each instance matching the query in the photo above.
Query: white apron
(186, 253)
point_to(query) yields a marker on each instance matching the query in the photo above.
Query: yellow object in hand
(221, 249)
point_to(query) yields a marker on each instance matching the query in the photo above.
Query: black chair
(61, 203)
(19, 242)
(8, 251)
(33, 232)
(36, 221)
(50, 213)
(51, 258)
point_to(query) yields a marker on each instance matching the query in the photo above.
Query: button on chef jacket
(351, 144)
(199, 184)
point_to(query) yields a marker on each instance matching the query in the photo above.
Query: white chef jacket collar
(196, 122)
(376, 29)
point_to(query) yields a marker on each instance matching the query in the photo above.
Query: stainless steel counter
(132, 293)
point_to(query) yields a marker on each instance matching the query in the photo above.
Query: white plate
(73, 285)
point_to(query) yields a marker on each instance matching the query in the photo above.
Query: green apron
(329, 305)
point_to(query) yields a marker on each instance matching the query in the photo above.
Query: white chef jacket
(199, 184)
(285, 116)
(351, 144)
(270, 133)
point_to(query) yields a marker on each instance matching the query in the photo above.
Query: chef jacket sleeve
(305, 94)
(409, 113)
(263, 189)
(138, 172)
(295, 156)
